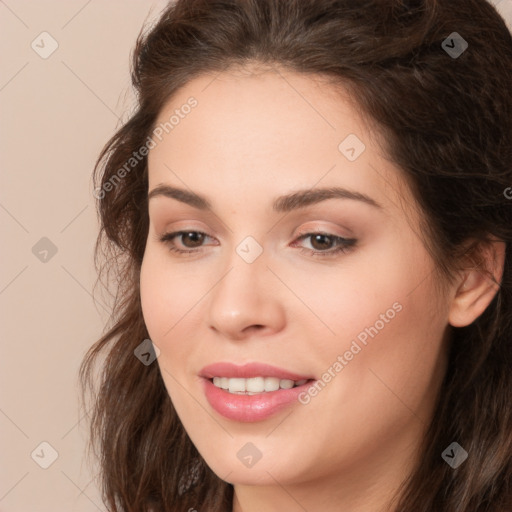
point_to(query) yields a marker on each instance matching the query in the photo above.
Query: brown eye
(321, 242)
(192, 239)
(325, 244)
(188, 241)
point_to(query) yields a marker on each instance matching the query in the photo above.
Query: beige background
(56, 114)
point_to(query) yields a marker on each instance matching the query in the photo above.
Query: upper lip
(248, 370)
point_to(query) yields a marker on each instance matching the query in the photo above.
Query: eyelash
(343, 245)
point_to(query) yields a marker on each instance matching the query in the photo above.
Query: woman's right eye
(194, 238)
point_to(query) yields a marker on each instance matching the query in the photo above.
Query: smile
(255, 385)
(251, 392)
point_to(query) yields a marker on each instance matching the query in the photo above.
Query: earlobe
(476, 289)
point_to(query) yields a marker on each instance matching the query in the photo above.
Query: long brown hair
(447, 122)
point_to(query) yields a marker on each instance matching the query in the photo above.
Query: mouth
(251, 392)
(255, 385)
(250, 371)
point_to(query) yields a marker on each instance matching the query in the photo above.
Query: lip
(248, 370)
(250, 408)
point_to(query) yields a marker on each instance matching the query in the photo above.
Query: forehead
(261, 115)
(269, 132)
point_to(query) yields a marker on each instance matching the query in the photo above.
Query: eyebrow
(287, 203)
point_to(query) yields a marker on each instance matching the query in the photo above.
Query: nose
(247, 301)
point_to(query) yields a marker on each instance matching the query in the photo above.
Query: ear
(475, 288)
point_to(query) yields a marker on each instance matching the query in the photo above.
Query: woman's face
(302, 259)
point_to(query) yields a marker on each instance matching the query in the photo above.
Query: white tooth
(271, 383)
(286, 383)
(255, 384)
(236, 385)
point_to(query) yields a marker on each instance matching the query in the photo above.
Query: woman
(309, 215)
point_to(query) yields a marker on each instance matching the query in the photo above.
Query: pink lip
(250, 408)
(247, 371)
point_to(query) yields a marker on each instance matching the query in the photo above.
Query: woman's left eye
(336, 244)
(323, 244)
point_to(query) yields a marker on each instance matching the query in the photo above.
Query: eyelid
(342, 244)
(331, 231)
(169, 236)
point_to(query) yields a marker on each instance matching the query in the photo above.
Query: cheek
(160, 307)
(387, 317)
(391, 345)
(373, 291)
(167, 295)
(171, 298)
(154, 293)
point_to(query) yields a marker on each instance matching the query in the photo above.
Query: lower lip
(250, 408)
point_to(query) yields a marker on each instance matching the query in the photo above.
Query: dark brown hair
(447, 123)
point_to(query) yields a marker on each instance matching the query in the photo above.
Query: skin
(251, 138)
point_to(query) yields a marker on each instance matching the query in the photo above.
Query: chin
(246, 476)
